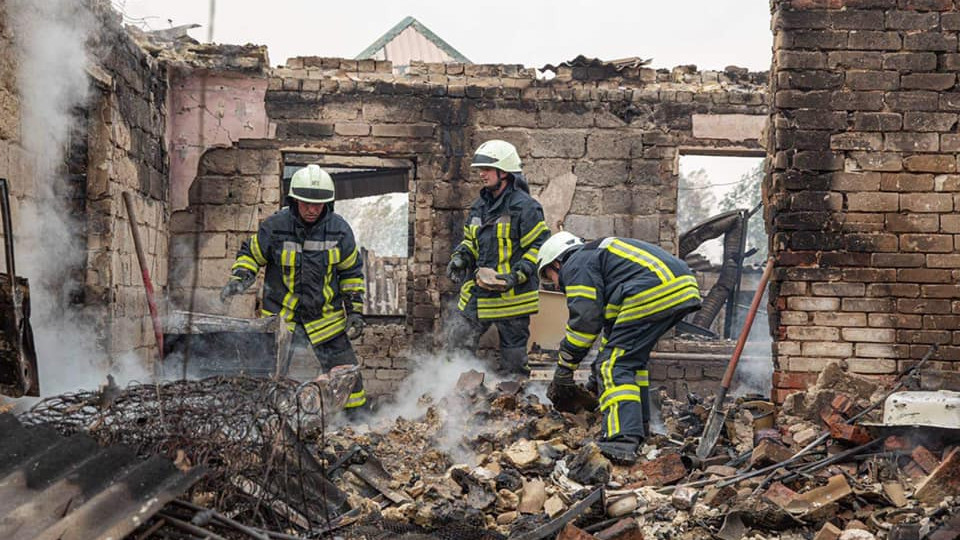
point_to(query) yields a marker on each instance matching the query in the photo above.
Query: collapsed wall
(599, 143)
(864, 188)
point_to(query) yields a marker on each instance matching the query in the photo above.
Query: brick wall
(864, 187)
(617, 132)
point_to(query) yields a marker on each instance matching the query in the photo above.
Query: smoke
(51, 38)
(754, 373)
(433, 383)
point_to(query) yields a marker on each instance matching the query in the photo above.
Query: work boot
(621, 451)
(513, 361)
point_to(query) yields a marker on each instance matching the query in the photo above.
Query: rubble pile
(495, 461)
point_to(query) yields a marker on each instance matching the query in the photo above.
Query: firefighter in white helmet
(503, 231)
(313, 273)
(628, 293)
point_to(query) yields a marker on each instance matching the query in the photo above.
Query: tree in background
(746, 194)
(696, 200)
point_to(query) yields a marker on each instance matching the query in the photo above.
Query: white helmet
(554, 247)
(497, 154)
(312, 184)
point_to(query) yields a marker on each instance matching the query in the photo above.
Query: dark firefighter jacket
(504, 233)
(616, 283)
(310, 269)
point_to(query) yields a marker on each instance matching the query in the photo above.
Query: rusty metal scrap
(248, 433)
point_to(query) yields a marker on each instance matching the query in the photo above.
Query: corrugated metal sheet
(412, 45)
(55, 487)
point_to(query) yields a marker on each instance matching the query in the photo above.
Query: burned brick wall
(127, 150)
(599, 143)
(89, 298)
(863, 193)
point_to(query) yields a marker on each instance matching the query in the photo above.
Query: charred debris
(846, 459)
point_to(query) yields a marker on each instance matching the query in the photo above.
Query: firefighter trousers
(623, 380)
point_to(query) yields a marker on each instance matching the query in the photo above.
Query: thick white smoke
(51, 38)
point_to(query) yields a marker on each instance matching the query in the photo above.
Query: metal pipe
(145, 274)
(8, 235)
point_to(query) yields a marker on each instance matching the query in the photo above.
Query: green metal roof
(419, 27)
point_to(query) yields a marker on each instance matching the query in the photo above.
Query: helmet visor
(311, 194)
(482, 160)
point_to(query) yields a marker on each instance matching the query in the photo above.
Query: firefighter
(632, 293)
(503, 231)
(313, 273)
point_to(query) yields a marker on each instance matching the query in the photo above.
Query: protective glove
(355, 325)
(512, 279)
(457, 267)
(561, 387)
(236, 285)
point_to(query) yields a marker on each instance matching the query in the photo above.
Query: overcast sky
(709, 33)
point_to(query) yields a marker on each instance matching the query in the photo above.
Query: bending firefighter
(314, 273)
(632, 292)
(503, 234)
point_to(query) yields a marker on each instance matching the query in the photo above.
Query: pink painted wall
(209, 110)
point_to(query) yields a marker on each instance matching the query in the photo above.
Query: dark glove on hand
(236, 285)
(561, 388)
(512, 279)
(355, 325)
(563, 376)
(457, 267)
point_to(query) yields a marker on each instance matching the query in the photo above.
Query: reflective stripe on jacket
(618, 282)
(309, 270)
(505, 234)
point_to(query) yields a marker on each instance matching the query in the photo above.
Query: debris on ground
(496, 461)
